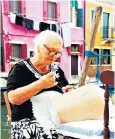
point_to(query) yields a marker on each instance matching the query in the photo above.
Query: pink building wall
(77, 36)
(35, 10)
(65, 63)
(13, 32)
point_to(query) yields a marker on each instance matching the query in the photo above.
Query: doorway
(74, 65)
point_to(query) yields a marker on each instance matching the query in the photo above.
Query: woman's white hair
(49, 38)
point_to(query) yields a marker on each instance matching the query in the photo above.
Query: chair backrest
(8, 106)
(107, 78)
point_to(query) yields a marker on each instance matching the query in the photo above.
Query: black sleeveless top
(24, 73)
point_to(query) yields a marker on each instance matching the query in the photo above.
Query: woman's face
(50, 54)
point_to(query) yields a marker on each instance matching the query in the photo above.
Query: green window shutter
(74, 3)
(79, 17)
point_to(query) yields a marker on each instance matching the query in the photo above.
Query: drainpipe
(1, 31)
(84, 21)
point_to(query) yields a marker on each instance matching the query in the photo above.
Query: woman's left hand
(67, 88)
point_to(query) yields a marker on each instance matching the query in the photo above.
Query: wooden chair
(107, 78)
(8, 106)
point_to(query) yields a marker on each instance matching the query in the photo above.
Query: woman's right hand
(48, 80)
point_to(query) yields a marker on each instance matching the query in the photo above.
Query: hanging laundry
(58, 28)
(19, 20)
(44, 26)
(28, 24)
(53, 27)
(12, 17)
(66, 32)
(36, 25)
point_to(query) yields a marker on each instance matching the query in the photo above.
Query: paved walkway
(74, 79)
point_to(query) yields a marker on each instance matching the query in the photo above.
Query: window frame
(19, 6)
(109, 23)
(31, 52)
(94, 58)
(102, 58)
(75, 47)
(91, 19)
(71, 14)
(55, 9)
(20, 45)
(76, 16)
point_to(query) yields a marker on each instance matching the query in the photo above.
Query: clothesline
(41, 19)
(63, 29)
(31, 24)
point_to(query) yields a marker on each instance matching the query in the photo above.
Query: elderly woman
(27, 80)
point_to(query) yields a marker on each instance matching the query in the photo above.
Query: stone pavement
(74, 79)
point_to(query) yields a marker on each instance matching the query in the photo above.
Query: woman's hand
(67, 88)
(48, 80)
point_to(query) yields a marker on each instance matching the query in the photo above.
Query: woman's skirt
(31, 129)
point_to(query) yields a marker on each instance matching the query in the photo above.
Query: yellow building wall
(89, 7)
(98, 41)
(113, 58)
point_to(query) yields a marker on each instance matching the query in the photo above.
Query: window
(73, 15)
(51, 11)
(92, 14)
(31, 53)
(94, 59)
(74, 48)
(16, 50)
(76, 16)
(105, 59)
(15, 6)
(70, 13)
(105, 29)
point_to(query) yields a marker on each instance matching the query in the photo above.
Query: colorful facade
(18, 34)
(105, 38)
(17, 40)
(77, 36)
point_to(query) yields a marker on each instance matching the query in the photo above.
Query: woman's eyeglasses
(51, 53)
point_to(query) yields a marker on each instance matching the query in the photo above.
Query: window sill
(106, 65)
(7, 13)
(51, 21)
(75, 27)
(93, 65)
(75, 53)
(100, 65)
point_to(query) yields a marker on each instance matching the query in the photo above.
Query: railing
(111, 2)
(107, 32)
